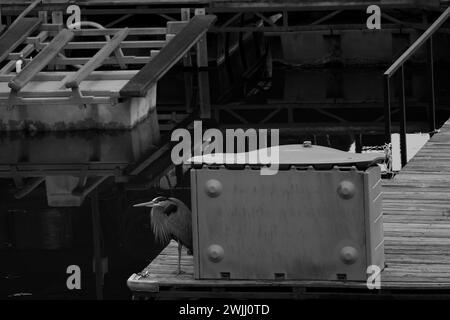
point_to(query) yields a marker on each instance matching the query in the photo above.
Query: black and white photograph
(220, 157)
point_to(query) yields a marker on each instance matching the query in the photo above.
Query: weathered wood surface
(74, 81)
(416, 208)
(42, 59)
(169, 55)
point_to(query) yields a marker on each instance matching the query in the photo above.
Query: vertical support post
(358, 143)
(290, 111)
(203, 76)
(285, 20)
(403, 152)
(387, 109)
(431, 90)
(227, 57)
(43, 16)
(217, 113)
(241, 45)
(96, 234)
(187, 63)
(58, 18)
(179, 174)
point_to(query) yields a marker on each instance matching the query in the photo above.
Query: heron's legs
(179, 257)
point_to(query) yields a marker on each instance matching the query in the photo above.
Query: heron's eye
(171, 208)
(159, 199)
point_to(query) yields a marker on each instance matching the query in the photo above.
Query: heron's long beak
(146, 204)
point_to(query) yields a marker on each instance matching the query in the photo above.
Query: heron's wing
(171, 208)
(180, 224)
(160, 225)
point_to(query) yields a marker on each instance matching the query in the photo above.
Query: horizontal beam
(58, 101)
(168, 56)
(55, 169)
(173, 27)
(57, 94)
(172, 7)
(326, 28)
(275, 104)
(112, 60)
(53, 28)
(245, 5)
(123, 45)
(96, 61)
(327, 127)
(41, 60)
(60, 75)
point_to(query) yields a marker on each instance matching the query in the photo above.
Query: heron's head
(161, 209)
(162, 205)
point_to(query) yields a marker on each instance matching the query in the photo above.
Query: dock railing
(425, 39)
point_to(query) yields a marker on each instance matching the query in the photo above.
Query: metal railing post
(403, 152)
(425, 38)
(387, 109)
(431, 91)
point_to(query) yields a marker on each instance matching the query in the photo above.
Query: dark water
(39, 242)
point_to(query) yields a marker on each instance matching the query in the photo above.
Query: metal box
(318, 218)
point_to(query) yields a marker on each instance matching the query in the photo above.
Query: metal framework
(59, 50)
(232, 13)
(52, 41)
(399, 66)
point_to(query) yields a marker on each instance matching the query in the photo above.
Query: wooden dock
(416, 207)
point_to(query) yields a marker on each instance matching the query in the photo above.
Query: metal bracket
(12, 99)
(78, 97)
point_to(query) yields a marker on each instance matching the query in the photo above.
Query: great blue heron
(171, 219)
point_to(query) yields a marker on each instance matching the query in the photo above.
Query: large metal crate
(319, 218)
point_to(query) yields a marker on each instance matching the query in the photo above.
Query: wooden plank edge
(44, 57)
(137, 283)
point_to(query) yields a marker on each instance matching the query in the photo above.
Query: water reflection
(50, 228)
(121, 146)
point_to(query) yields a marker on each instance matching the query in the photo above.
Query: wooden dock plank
(41, 60)
(74, 80)
(416, 217)
(168, 56)
(16, 35)
(416, 205)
